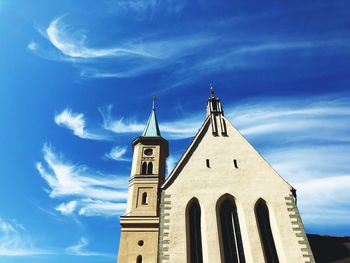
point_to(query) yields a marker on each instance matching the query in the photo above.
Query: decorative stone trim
(164, 225)
(298, 229)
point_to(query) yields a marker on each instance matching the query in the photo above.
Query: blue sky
(76, 80)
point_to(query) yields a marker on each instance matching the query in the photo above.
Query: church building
(222, 203)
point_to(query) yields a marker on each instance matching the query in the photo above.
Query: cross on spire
(212, 91)
(153, 102)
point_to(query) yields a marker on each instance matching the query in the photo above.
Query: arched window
(139, 259)
(263, 220)
(194, 242)
(144, 168)
(150, 168)
(230, 233)
(144, 200)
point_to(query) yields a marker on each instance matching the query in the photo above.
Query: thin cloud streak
(171, 162)
(79, 249)
(319, 119)
(144, 9)
(89, 192)
(325, 200)
(304, 162)
(14, 242)
(76, 122)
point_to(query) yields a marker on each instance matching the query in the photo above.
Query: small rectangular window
(235, 163)
(208, 164)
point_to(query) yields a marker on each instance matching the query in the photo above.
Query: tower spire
(152, 127)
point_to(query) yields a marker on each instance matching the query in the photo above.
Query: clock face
(148, 152)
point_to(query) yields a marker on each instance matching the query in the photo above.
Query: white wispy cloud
(117, 153)
(67, 208)
(306, 161)
(32, 46)
(119, 125)
(92, 207)
(295, 119)
(15, 242)
(171, 162)
(325, 200)
(76, 122)
(167, 52)
(79, 249)
(74, 45)
(88, 192)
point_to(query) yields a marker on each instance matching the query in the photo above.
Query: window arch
(231, 245)
(144, 199)
(266, 237)
(194, 236)
(150, 168)
(144, 168)
(139, 259)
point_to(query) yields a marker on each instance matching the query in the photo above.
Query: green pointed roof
(152, 128)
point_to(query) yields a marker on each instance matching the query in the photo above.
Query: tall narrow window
(194, 233)
(144, 200)
(231, 240)
(268, 244)
(144, 168)
(139, 259)
(150, 168)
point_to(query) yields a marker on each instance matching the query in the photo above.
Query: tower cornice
(152, 141)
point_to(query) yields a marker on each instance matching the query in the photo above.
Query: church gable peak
(218, 139)
(216, 113)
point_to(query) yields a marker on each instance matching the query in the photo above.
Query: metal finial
(212, 91)
(153, 102)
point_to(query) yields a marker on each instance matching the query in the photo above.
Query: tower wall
(144, 231)
(140, 224)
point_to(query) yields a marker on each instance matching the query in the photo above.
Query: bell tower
(140, 224)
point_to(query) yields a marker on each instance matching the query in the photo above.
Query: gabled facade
(223, 203)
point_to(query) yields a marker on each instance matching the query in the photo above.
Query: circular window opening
(148, 152)
(140, 243)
